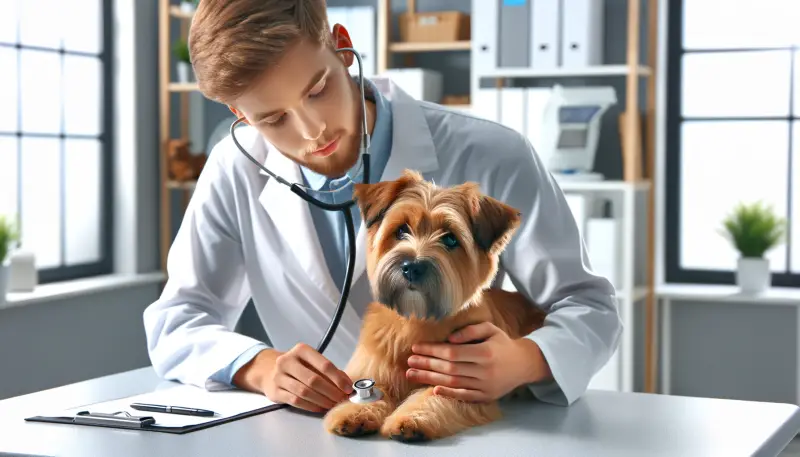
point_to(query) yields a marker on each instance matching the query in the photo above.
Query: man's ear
(238, 114)
(375, 199)
(341, 39)
(493, 224)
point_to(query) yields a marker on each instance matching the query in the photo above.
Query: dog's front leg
(424, 416)
(356, 419)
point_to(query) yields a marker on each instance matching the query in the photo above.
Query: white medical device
(571, 128)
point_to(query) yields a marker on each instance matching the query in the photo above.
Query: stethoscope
(365, 390)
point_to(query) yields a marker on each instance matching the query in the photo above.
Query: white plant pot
(187, 7)
(753, 274)
(185, 72)
(4, 274)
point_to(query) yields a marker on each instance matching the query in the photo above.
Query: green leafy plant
(754, 229)
(8, 236)
(181, 50)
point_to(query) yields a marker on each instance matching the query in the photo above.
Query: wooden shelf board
(184, 185)
(183, 87)
(598, 70)
(433, 46)
(175, 11)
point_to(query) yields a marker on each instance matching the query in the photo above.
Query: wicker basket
(438, 26)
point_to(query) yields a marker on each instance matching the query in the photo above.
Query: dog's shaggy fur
(453, 238)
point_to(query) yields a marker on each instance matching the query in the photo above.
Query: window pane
(41, 202)
(41, 22)
(713, 24)
(41, 91)
(82, 200)
(9, 16)
(722, 164)
(8, 175)
(8, 90)
(732, 84)
(794, 233)
(83, 32)
(82, 102)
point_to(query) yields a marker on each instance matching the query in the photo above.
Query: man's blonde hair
(232, 42)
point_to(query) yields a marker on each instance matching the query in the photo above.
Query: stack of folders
(559, 34)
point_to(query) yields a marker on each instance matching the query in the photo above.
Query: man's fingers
(473, 333)
(432, 378)
(454, 352)
(289, 398)
(324, 366)
(467, 395)
(472, 370)
(306, 393)
(314, 381)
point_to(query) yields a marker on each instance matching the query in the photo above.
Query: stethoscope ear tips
(365, 391)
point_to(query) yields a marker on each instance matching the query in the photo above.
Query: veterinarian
(244, 236)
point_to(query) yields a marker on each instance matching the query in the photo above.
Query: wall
(48, 344)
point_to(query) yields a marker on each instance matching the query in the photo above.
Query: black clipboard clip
(118, 419)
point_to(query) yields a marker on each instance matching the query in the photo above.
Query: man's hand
(477, 372)
(301, 377)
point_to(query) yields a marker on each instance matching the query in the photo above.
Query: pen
(172, 409)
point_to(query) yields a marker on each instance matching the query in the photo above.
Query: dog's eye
(402, 231)
(450, 241)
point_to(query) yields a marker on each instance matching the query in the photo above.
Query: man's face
(308, 108)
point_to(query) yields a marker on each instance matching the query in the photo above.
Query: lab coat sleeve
(547, 261)
(190, 328)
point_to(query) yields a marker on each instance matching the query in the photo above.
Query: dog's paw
(406, 429)
(350, 419)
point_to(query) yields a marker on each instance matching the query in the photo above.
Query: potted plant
(189, 6)
(184, 61)
(8, 237)
(753, 229)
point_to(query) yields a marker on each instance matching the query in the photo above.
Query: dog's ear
(494, 222)
(375, 199)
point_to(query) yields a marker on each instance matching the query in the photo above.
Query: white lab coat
(245, 235)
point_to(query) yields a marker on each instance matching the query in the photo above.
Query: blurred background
(669, 125)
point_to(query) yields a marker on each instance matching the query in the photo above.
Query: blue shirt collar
(380, 142)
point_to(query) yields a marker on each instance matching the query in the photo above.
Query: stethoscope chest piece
(365, 391)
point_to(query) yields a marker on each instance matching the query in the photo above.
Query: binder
(537, 98)
(487, 104)
(513, 108)
(230, 405)
(582, 33)
(514, 33)
(484, 36)
(360, 24)
(545, 20)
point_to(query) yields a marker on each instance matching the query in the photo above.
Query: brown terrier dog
(432, 254)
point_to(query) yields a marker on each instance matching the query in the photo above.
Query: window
(55, 132)
(733, 103)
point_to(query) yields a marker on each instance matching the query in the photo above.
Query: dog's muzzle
(412, 286)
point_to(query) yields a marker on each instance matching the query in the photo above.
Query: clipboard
(230, 405)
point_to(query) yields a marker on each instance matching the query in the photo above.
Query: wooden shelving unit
(386, 48)
(170, 18)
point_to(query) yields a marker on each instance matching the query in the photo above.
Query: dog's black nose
(415, 270)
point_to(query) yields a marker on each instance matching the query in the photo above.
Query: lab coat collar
(412, 148)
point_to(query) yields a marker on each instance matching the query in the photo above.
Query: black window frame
(674, 272)
(104, 265)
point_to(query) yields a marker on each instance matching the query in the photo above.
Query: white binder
(545, 34)
(486, 104)
(582, 33)
(536, 101)
(360, 24)
(513, 108)
(484, 35)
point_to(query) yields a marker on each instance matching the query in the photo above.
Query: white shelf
(727, 293)
(598, 70)
(601, 186)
